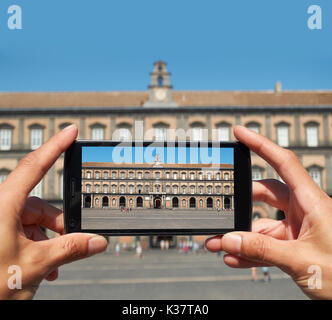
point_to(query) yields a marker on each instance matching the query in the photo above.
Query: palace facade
(157, 186)
(298, 120)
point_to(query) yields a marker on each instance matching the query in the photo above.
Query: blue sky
(209, 45)
(167, 155)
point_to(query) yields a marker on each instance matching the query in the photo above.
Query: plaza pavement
(156, 219)
(163, 275)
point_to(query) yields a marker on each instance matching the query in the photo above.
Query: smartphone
(157, 188)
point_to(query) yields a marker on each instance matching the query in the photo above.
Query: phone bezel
(242, 189)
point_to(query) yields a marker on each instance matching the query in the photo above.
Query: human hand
(302, 240)
(22, 241)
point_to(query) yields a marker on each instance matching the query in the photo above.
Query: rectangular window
(97, 134)
(3, 176)
(5, 139)
(36, 138)
(197, 134)
(37, 190)
(160, 134)
(257, 174)
(124, 134)
(316, 176)
(223, 133)
(283, 136)
(312, 136)
(61, 185)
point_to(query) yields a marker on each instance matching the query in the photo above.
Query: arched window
(192, 202)
(311, 129)
(105, 188)
(87, 202)
(64, 125)
(139, 202)
(227, 203)
(122, 201)
(175, 202)
(105, 202)
(254, 126)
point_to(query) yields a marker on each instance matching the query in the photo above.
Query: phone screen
(157, 187)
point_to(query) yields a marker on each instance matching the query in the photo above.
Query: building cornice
(78, 111)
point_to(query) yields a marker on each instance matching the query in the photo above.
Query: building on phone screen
(157, 186)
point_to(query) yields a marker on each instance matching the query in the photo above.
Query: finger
(238, 262)
(71, 247)
(34, 166)
(282, 160)
(272, 192)
(261, 249)
(34, 233)
(270, 227)
(40, 212)
(213, 244)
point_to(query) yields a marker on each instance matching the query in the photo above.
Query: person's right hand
(299, 245)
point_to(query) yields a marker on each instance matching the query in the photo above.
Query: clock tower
(160, 87)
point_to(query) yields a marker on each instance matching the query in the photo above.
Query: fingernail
(68, 128)
(231, 243)
(96, 244)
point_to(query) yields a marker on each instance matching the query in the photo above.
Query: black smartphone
(157, 188)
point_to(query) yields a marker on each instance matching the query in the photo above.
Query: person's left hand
(23, 243)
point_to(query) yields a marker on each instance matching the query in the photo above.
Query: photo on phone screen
(157, 187)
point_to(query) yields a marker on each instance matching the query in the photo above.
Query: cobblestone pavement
(163, 275)
(156, 219)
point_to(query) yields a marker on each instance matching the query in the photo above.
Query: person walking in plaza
(139, 251)
(253, 274)
(117, 249)
(266, 274)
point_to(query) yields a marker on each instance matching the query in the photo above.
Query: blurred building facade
(298, 120)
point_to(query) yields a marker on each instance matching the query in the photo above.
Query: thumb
(260, 248)
(72, 247)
